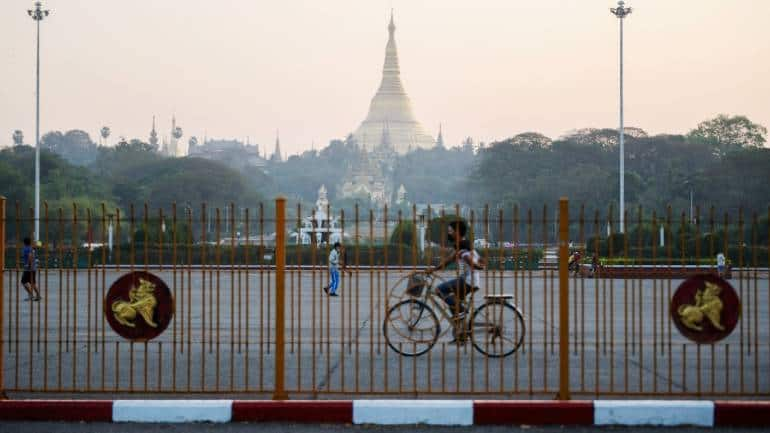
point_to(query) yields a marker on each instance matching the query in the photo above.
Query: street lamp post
(620, 12)
(109, 235)
(37, 14)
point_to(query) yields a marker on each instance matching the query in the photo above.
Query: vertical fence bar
(280, 271)
(358, 298)
(45, 298)
(89, 239)
(371, 300)
(299, 263)
(188, 307)
(218, 267)
(178, 331)
(261, 255)
(75, 240)
(755, 283)
(203, 261)
(2, 296)
(246, 270)
(653, 246)
(547, 292)
(13, 319)
(563, 299)
(742, 294)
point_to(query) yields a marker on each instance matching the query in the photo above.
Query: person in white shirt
(334, 270)
(721, 261)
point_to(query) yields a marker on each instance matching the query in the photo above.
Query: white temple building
(319, 227)
(170, 146)
(391, 108)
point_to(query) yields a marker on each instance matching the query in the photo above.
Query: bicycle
(416, 322)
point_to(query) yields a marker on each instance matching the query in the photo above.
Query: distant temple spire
(440, 138)
(277, 153)
(153, 135)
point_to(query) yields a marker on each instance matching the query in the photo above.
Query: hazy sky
(485, 68)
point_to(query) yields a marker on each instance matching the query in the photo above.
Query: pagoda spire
(440, 138)
(391, 73)
(277, 153)
(391, 104)
(153, 135)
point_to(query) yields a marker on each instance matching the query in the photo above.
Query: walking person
(721, 261)
(335, 258)
(29, 263)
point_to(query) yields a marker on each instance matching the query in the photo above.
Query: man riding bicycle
(469, 265)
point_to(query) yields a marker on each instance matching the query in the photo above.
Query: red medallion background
(731, 310)
(164, 311)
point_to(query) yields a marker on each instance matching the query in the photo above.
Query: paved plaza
(222, 338)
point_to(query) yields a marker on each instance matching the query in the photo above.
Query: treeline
(722, 163)
(123, 179)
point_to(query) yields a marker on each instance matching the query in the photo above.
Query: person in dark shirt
(29, 263)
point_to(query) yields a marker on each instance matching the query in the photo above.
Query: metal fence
(250, 315)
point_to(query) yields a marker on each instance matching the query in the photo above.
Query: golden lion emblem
(140, 300)
(707, 305)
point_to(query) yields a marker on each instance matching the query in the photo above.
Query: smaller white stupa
(320, 226)
(401, 195)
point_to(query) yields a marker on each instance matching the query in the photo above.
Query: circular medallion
(705, 308)
(139, 306)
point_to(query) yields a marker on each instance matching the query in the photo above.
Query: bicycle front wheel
(411, 327)
(497, 329)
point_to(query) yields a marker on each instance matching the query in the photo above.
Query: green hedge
(377, 255)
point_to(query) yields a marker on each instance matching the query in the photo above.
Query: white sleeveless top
(472, 277)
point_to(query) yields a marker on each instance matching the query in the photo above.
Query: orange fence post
(2, 296)
(563, 299)
(280, 298)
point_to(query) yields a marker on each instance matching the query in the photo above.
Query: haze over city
(556, 207)
(488, 69)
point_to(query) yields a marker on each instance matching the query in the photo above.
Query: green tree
(530, 141)
(404, 234)
(75, 146)
(729, 133)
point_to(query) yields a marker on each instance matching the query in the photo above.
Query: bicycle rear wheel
(497, 329)
(411, 327)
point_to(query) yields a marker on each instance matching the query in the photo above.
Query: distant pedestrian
(594, 265)
(335, 258)
(574, 262)
(29, 277)
(721, 261)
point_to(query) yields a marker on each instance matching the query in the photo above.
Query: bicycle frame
(435, 301)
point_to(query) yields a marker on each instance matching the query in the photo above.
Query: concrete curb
(654, 412)
(394, 412)
(437, 412)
